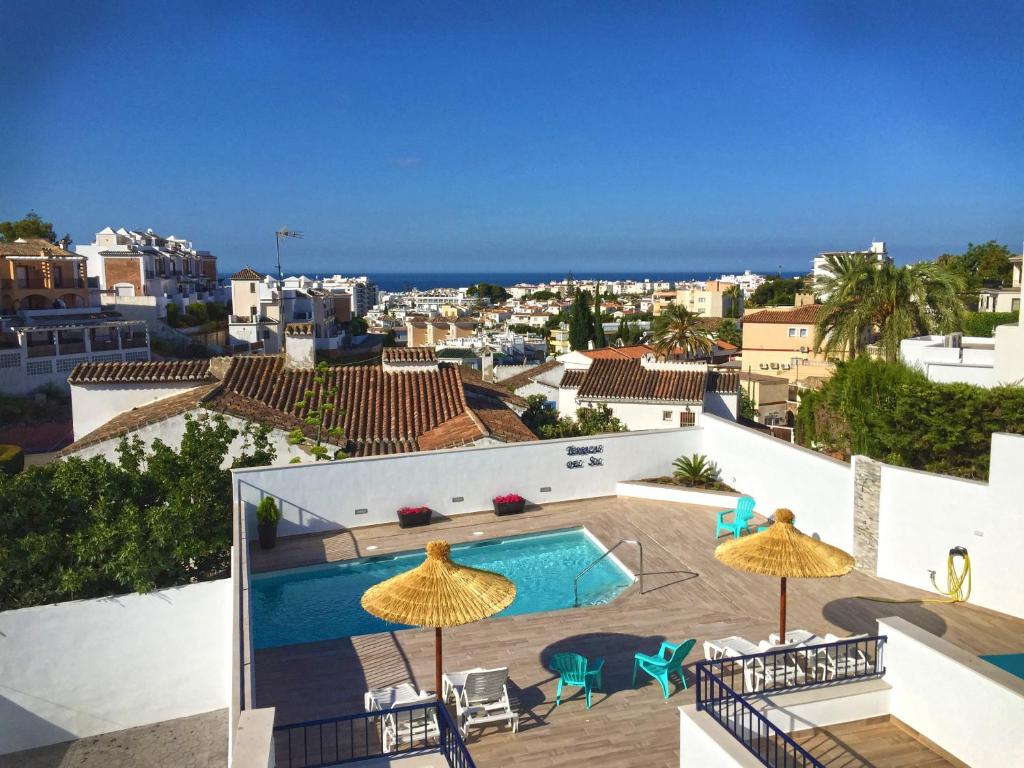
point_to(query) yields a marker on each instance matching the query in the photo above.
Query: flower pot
(509, 507)
(268, 535)
(413, 519)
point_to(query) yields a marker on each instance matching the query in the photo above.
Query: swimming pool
(321, 602)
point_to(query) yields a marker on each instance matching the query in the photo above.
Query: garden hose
(956, 580)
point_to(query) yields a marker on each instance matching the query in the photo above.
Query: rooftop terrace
(687, 594)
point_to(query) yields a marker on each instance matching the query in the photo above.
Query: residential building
(363, 291)
(780, 341)
(748, 282)
(420, 333)
(559, 339)
(410, 402)
(41, 347)
(134, 263)
(1003, 299)
(263, 308)
(877, 251)
(36, 274)
(769, 395)
(708, 299)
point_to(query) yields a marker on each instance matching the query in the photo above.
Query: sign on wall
(588, 451)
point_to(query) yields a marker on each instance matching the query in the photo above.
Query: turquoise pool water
(1011, 662)
(321, 602)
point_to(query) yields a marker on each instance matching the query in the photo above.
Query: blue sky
(439, 136)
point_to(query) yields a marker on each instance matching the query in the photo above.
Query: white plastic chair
(484, 699)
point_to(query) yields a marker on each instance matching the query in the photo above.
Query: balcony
(72, 347)
(134, 342)
(103, 344)
(45, 349)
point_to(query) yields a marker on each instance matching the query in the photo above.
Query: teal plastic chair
(573, 669)
(669, 659)
(742, 515)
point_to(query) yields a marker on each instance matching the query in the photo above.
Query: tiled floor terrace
(687, 594)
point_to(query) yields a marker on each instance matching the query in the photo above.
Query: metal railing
(725, 684)
(576, 580)
(414, 728)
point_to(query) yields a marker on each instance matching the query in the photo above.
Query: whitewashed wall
(172, 429)
(92, 666)
(638, 416)
(967, 706)
(93, 405)
(326, 496)
(923, 515)
(817, 488)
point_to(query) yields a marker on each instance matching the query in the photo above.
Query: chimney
(299, 346)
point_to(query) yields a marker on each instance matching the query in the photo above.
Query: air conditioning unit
(804, 350)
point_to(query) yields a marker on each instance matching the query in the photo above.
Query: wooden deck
(880, 741)
(687, 594)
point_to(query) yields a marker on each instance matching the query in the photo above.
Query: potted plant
(509, 504)
(409, 517)
(267, 516)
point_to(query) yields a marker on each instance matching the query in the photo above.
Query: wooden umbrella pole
(781, 613)
(437, 661)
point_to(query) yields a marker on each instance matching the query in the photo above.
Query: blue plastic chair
(669, 659)
(573, 669)
(742, 515)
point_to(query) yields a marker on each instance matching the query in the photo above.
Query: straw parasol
(439, 593)
(784, 552)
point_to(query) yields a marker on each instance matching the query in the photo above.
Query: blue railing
(725, 684)
(414, 728)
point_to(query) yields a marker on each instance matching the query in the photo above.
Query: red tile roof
(247, 273)
(805, 315)
(618, 353)
(572, 378)
(628, 380)
(723, 382)
(408, 354)
(152, 371)
(512, 383)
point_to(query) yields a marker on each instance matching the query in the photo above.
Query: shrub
(267, 513)
(695, 470)
(985, 323)
(12, 459)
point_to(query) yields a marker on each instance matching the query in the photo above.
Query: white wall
(704, 743)
(92, 666)
(817, 488)
(325, 496)
(172, 429)
(93, 405)
(970, 708)
(923, 515)
(638, 416)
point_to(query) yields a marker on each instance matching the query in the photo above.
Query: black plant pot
(509, 508)
(415, 519)
(268, 535)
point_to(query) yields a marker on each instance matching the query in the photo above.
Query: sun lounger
(453, 682)
(396, 696)
(484, 699)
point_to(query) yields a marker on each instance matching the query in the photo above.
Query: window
(666, 415)
(252, 287)
(803, 333)
(792, 332)
(266, 333)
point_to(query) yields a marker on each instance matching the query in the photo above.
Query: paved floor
(879, 741)
(200, 741)
(687, 594)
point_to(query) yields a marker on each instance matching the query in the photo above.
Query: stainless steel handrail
(576, 581)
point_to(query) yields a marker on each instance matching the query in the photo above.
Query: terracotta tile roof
(408, 354)
(572, 379)
(618, 353)
(299, 329)
(36, 246)
(725, 346)
(474, 384)
(144, 415)
(247, 273)
(512, 383)
(628, 380)
(723, 382)
(153, 371)
(464, 429)
(805, 315)
(500, 422)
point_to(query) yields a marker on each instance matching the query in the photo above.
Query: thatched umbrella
(439, 593)
(784, 552)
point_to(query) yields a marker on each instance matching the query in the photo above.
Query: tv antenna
(283, 232)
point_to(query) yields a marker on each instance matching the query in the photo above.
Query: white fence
(357, 492)
(93, 666)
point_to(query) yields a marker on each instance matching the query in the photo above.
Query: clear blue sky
(435, 136)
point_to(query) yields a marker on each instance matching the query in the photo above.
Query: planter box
(415, 519)
(509, 508)
(268, 535)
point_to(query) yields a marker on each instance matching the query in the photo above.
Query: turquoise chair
(573, 669)
(742, 515)
(664, 664)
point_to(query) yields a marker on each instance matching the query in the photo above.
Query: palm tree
(889, 302)
(679, 328)
(735, 295)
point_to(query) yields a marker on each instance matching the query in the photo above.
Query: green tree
(581, 321)
(985, 323)
(729, 330)
(695, 470)
(735, 296)
(888, 302)
(495, 293)
(32, 226)
(589, 421)
(776, 291)
(357, 326)
(542, 295)
(599, 339)
(317, 410)
(539, 414)
(679, 328)
(389, 339)
(747, 410)
(986, 264)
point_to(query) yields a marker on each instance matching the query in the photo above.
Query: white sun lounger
(452, 683)
(395, 696)
(484, 699)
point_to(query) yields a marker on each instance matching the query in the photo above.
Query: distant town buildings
(780, 341)
(1003, 299)
(364, 292)
(877, 251)
(36, 274)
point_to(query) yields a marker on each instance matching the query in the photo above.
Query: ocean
(405, 281)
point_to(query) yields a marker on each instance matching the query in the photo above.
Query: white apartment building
(364, 292)
(1003, 299)
(748, 281)
(263, 309)
(877, 250)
